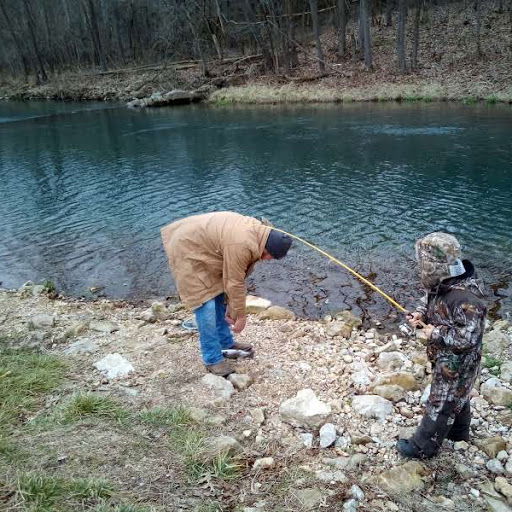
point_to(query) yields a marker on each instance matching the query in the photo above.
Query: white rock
(372, 406)
(357, 493)
(425, 395)
(460, 446)
(264, 463)
(502, 455)
(350, 505)
(508, 466)
(496, 343)
(215, 446)
(506, 372)
(114, 366)
(475, 493)
(327, 435)
(304, 410)
(495, 466)
(331, 476)
(343, 442)
(258, 415)
(221, 387)
(361, 374)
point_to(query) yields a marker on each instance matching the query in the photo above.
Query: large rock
(82, 346)
(327, 435)
(391, 361)
(496, 343)
(503, 487)
(276, 313)
(403, 379)
(254, 305)
(41, 321)
(114, 366)
(372, 406)
(361, 375)
(390, 392)
(222, 388)
(403, 479)
(222, 445)
(495, 392)
(305, 410)
(240, 381)
(336, 328)
(491, 446)
(506, 372)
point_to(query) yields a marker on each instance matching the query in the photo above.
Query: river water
(85, 188)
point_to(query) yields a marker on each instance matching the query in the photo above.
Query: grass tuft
(84, 405)
(25, 376)
(166, 417)
(493, 364)
(43, 493)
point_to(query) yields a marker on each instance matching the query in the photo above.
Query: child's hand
(427, 330)
(415, 319)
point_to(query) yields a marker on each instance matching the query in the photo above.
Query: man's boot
(460, 428)
(222, 369)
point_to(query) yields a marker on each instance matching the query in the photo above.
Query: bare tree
(313, 4)
(416, 34)
(342, 17)
(365, 33)
(400, 39)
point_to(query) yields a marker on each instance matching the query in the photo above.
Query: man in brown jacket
(210, 256)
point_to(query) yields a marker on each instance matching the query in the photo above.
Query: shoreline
(163, 415)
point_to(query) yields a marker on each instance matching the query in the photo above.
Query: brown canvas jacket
(211, 254)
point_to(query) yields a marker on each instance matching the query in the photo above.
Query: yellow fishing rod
(346, 267)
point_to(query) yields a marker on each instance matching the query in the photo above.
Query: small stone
(350, 505)
(336, 328)
(494, 392)
(506, 372)
(390, 392)
(114, 366)
(403, 379)
(343, 442)
(496, 343)
(357, 493)
(103, 326)
(307, 439)
(460, 446)
(502, 486)
(331, 476)
(148, 316)
(348, 359)
(222, 445)
(464, 471)
(264, 463)
(222, 388)
(327, 435)
(258, 415)
(496, 505)
(391, 361)
(502, 455)
(475, 493)
(495, 466)
(240, 381)
(508, 466)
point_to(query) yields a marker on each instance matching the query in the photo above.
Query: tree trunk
(478, 9)
(313, 4)
(390, 4)
(400, 39)
(16, 41)
(41, 72)
(364, 14)
(416, 36)
(342, 27)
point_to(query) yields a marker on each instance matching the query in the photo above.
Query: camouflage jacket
(457, 311)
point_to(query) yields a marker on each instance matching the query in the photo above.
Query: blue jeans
(214, 332)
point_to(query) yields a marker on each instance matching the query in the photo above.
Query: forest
(41, 38)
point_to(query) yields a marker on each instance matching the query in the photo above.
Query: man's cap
(278, 244)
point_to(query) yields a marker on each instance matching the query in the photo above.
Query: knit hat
(438, 255)
(278, 244)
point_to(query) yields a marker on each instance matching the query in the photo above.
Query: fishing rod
(346, 267)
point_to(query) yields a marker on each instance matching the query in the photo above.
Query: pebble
(264, 463)
(495, 466)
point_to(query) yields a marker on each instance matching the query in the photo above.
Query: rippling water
(86, 187)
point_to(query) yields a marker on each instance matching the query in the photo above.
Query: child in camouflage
(454, 313)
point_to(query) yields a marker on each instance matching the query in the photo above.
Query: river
(86, 187)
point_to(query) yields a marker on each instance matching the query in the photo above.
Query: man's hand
(415, 319)
(239, 324)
